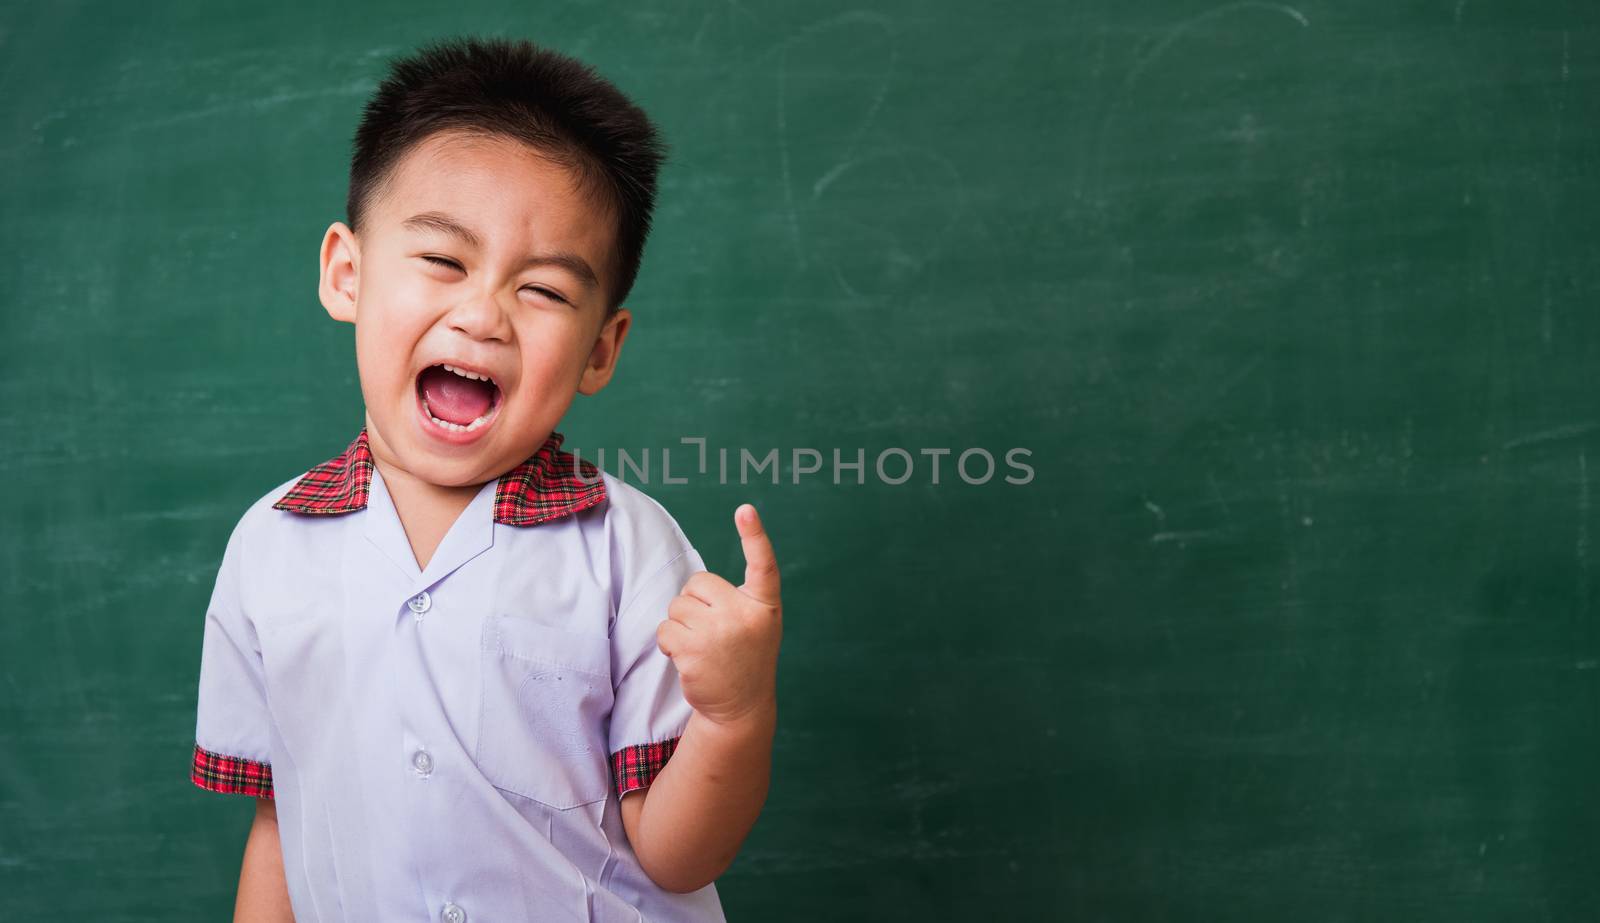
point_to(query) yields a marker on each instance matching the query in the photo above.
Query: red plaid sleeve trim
(218, 773)
(636, 766)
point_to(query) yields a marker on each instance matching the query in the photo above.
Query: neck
(426, 510)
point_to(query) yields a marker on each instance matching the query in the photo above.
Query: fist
(724, 638)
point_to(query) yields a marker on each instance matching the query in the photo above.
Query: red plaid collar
(549, 485)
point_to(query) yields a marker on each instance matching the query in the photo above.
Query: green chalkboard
(1292, 307)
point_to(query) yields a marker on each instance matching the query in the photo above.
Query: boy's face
(523, 302)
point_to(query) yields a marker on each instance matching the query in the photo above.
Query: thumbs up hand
(724, 639)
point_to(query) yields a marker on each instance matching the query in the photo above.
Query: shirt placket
(434, 616)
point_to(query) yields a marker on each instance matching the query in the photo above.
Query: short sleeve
(649, 712)
(232, 724)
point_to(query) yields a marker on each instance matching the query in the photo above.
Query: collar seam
(548, 485)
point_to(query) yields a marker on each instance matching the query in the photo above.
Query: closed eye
(441, 261)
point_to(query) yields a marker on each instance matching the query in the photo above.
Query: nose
(480, 317)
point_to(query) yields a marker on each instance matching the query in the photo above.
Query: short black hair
(515, 89)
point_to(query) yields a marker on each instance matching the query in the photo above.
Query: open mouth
(457, 400)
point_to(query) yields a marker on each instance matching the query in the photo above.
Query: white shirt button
(420, 603)
(450, 913)
(422, 762)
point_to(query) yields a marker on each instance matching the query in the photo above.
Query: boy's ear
(341, 268)
(603, 358)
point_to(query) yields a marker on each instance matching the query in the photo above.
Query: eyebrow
(444, 224)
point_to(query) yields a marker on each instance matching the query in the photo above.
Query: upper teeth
(466, 374)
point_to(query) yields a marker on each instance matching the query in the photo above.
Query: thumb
(760, 565)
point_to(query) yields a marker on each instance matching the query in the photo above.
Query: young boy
(467, 676)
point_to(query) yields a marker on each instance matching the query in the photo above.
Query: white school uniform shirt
(450, 744)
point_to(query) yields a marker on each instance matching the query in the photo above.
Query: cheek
(548, 379)
(563, 351)
(545, 375)
(383, 352)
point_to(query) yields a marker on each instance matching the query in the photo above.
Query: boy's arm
(233, 731)
(688, 825)
(691, 820)
(263, 893)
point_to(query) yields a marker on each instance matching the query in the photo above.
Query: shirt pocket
(546, 697)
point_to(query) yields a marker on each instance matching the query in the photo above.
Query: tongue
(455, 399)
